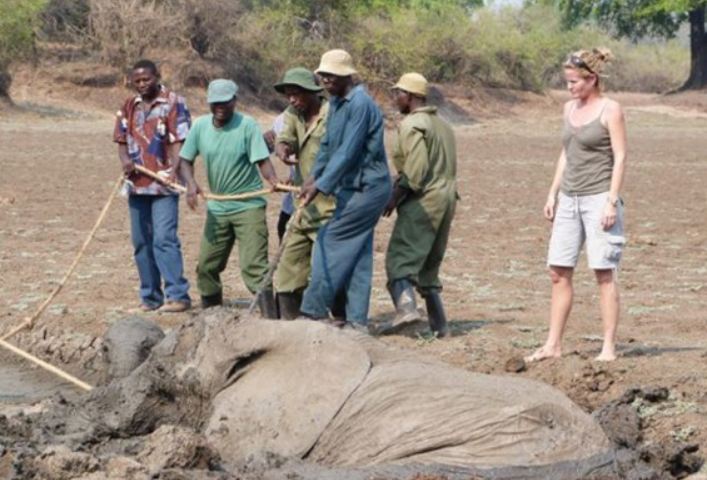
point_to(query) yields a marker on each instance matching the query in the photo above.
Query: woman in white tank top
(583, 202)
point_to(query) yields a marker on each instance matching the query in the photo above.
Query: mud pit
(496, 290)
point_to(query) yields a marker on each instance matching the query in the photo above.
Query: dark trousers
(342, 260)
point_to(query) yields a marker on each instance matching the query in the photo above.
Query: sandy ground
(59, 166)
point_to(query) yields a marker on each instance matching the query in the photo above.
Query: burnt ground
(59, 165)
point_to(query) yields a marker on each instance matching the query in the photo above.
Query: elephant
(344, 401)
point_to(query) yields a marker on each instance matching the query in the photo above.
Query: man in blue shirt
(352, 165)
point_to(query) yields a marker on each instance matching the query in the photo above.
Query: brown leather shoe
(174, 306)
(143, 308)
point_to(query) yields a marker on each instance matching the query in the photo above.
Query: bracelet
(613, 202)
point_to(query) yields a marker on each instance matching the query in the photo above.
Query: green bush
(18, 20)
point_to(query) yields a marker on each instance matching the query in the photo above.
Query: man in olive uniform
(298, 144)
(425, 197)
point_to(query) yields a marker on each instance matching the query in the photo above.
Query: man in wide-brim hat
(352, 165)
(297, 144)
(424, 196)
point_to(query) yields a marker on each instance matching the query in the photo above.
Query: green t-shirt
(230, 154)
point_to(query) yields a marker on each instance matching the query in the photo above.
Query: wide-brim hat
(413, 83)
(221, 90)
(337, 62)
(298, 77)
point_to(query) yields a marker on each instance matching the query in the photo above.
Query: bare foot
(544, 353)
(605, 357)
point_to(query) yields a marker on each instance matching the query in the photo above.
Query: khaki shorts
(578, 218)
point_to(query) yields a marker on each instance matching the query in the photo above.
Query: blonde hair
(590, 62)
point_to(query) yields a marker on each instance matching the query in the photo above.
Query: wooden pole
(280, 187)
(46, 366)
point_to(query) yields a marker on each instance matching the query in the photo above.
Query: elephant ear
(280, 385)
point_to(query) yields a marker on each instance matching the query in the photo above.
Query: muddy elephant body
(343, 401)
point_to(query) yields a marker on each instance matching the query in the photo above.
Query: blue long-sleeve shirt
(351, 153)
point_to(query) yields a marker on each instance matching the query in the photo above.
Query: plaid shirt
(147, 129)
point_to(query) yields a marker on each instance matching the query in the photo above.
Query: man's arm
(120, 136)
(186, 171)
(416, 160)
(178, 123)
(185, 165)
(286, 141)
(350, 151)
(322, 157)
(258, 153)
(174, 160)
(267, 171)
(125, 161)
(285, 152)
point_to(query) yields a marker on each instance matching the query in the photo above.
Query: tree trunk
(5, 80)
(698, 50)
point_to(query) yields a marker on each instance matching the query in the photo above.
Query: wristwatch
(612, 201)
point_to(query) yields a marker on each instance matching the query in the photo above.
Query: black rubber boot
(267, 305)
(214, 300)
(436, 315)
(403, 296)
(289, 303)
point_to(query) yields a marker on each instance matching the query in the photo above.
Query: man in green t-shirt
(233, 149)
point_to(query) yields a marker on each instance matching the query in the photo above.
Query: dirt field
(59, 165)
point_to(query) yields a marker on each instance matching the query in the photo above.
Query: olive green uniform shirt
(426, 160)
(292, 273)
(426, 155)
(305, 144)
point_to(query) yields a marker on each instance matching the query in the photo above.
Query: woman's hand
(549, 208)
(608, 219)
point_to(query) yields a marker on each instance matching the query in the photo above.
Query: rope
(29, 321)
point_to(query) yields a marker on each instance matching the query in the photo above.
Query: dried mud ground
(58, 167)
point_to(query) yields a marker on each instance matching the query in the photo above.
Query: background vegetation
(254, 41)
(18, 22)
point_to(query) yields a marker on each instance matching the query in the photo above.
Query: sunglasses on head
(577, 62)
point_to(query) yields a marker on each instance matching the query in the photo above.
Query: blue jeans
(342, 260)
(158, 253)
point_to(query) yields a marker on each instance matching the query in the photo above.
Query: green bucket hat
(298, 77)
